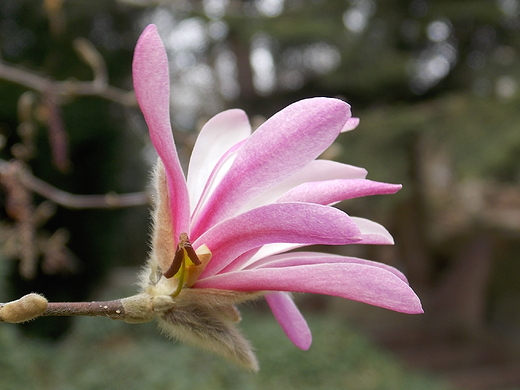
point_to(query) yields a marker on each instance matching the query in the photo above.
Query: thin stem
(73, 88)
(75, 201)
(111, 309)
(134, 309)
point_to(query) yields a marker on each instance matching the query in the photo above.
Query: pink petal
(333, 191)
(290, 319)
(152, 90)
(317, 170)
(359, 282)
(218, 135)
(282, 145)
(301, 223)
(372, 233)
(308, 258)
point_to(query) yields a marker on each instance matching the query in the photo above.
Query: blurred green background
(436, 85)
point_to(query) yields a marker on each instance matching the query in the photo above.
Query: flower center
(184, 265)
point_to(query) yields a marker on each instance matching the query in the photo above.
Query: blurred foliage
(38, 37)
(97, 354)
(480, 136)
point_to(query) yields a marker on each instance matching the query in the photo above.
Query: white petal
(218, 135)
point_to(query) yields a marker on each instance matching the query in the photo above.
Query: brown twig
(111, 309)
(74, 201)
(133, 309)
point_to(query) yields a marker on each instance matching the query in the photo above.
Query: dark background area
(435, 83)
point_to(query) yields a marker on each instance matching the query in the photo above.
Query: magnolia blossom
(222, 234)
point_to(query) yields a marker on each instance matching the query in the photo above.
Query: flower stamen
(184, 261)
(183, 252)
(176, 263)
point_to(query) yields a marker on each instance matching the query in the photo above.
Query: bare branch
(134, 309)
(25, 78)
(32, 306)
(89, 54)
(65, 88)
(111, 309)
(73, 201)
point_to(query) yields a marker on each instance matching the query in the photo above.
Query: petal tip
(397, 187)
(305, 344)
(148, 35)
(413, 307)
(350, 124)
(149, 28)
(318, 104)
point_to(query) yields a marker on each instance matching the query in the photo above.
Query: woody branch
(97, 87)
(66, 199)
(133, 309)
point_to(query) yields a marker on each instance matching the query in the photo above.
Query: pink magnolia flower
(222, 235)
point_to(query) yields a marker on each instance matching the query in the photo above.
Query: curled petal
(373, 233)
(351, 124)
(334, 191)
(290, 319)
(359, 282)
(282, 145)
(152, 90)
(302, 223)
(218, 135)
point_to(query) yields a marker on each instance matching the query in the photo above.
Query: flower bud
(24, 309)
